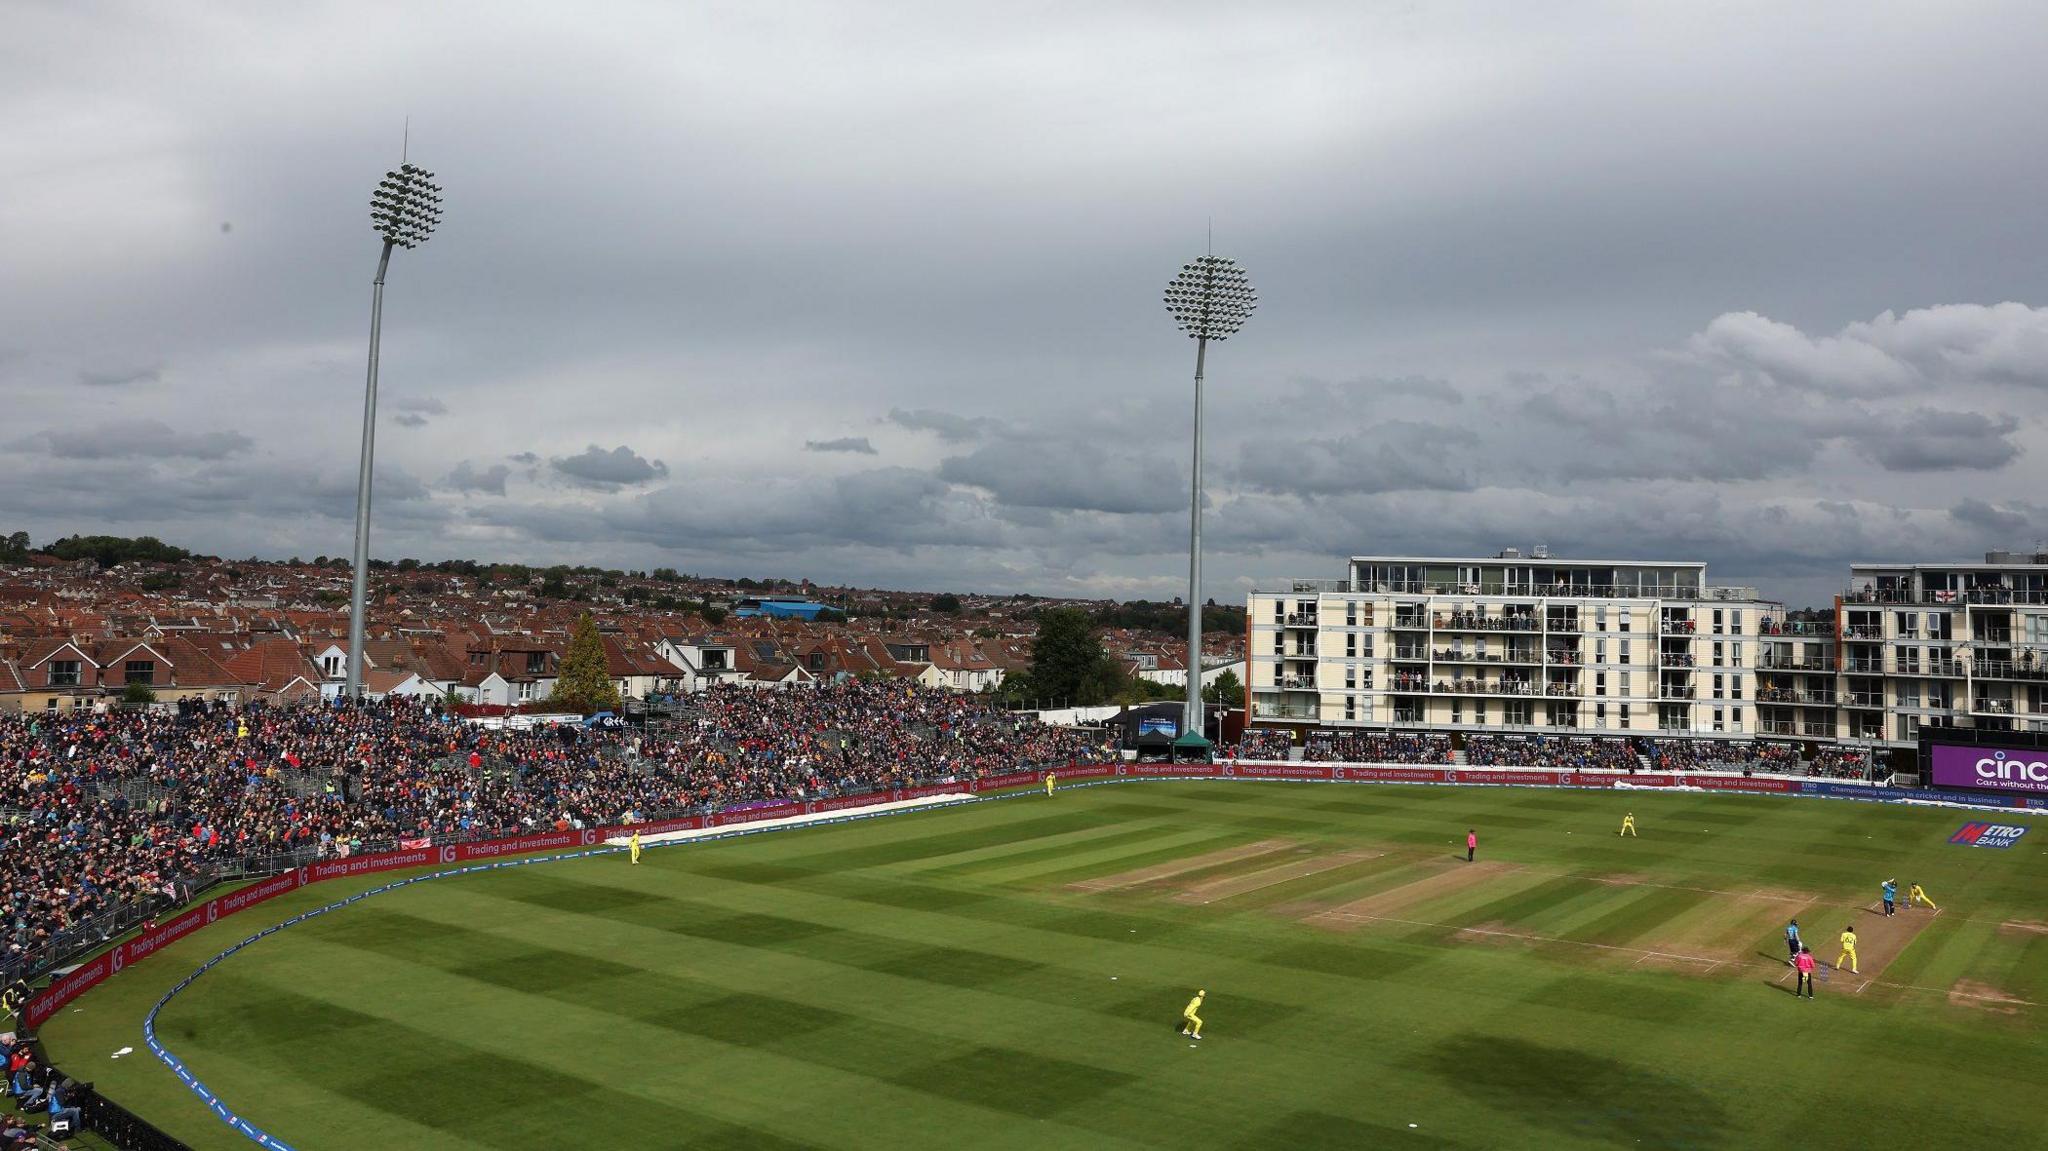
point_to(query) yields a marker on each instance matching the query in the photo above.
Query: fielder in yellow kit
(1628, 824)
(1050, 779)
(1917, 894)
(1191, 1020)
(1848, 951)
(634, 843)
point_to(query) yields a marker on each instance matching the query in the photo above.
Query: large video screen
(2009, 769)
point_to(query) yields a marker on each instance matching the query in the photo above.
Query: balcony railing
(1411, 623)
(1780, 663)
(1669, 692)
(1992, 707)
(1411, 654)
(1978, 596)
(1994, 635)
(1298, 683)
(1677, 627)
(1469, 621)
(1673, 660)
(1299, 619)
(1862, 631)
(1863, 699)
(2005, 669)
(1265, 710)
(1863, 666)
(1781, 695)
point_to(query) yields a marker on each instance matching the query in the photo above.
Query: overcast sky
(870, 293)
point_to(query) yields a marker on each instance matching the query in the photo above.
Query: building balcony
(1863, 699)
(1782, 695)
(1677, 627)
(1411, 623)
(1974, 596)
(1994, 635)
(1675, 693)
(1561, 658)
(1266, 709)
(1863, 666)
(1480, 687)
(1992, 707)
(1468, 621)
(1780, 663)
(1673, 661)
(1411, 655)
(1298, 683)
(1299, 620)
(2026, 669)
(1862, 631)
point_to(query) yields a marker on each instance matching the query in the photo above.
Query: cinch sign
(1987, 835)
(1990, 768)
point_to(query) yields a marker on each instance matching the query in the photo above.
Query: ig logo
(448, 854)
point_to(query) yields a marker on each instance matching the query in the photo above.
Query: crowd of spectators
(1569, 753)
(1377, 747)
(1264, 743)
(1844, 763)
(127, 809)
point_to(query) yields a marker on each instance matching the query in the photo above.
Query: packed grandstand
(110, 816)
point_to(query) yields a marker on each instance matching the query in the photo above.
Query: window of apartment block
(1279, 611)
(1625, 689)
(1350, 707)
(2037, 628)
(1719, 723)
(1621, 651)
(1717, 686)
(1909, 694)
(1351, 644)
(1599, 683)
(1599, 619)
(1627, 617)
(1718, 657)
(1457, 712)
(1350, 614)
(1940, 625)
(64, 672)
(1624, 715)
(1599, 651)
(1479, 711)
(139, 671)
(1907, 623)
(1350, 678)
(1717, 621)
(1599, 715)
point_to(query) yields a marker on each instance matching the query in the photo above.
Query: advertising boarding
(2013, 770)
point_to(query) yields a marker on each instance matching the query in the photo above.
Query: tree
(14, 547)
(583, 683)
(946, 603)
(1067, 660)
(138, 694)
(1225, 689)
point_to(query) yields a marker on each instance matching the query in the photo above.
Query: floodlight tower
(404, 209)
(1210, 300)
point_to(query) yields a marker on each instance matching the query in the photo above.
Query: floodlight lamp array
(1211, 298)
(406, 206)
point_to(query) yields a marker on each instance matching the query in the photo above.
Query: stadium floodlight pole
(1210, 299)
(404, 209)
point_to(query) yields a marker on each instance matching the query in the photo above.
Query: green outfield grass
(1007, 975)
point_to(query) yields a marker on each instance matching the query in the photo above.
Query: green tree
(1225, 689)
(1067, 660)
(946, 603)
(138, 694)
(582, 683)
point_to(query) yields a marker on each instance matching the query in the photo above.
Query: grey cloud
(141, 439)
(950, 428)
(1977, 513)
(619, 467)
(120, 377)
(1391, 457)
(1070, 474)
(467, 477)
(1929, 440)
(1942, 346)
(857, 445)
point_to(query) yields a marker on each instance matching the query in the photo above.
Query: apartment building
(1960, 644)
(1513, 642)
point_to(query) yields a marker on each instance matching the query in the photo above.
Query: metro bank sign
(1990, 768)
